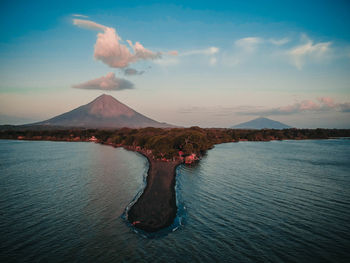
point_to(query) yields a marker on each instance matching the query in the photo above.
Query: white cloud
(279, 42)
(111, 51)
(308, 52)
(327, 102)
(205, 51)
(210, 52)
(169, 61)
(79, 15)
(108, 82)
(87, 24)
(142, 53)
(322, 104)
(243, 51)
(248, 44)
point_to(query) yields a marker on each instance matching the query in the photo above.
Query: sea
(278, 201)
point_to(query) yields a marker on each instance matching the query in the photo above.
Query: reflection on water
(247, 202)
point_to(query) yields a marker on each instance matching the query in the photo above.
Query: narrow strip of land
(156, 207)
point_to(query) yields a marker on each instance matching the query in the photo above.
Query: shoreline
(156, 207)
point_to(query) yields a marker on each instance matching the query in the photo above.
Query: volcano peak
(103, 112)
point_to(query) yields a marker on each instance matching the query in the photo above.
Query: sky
(205, 63)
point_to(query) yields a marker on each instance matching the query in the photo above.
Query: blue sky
(287, 60)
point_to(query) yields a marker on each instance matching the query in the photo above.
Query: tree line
(167, 143)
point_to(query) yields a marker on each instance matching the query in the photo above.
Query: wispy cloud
(209, 54)
(110, 50)
(248, 44)
(173, 53)
(204, 51)
(79, 15)
(108, 82)
(320, 105)
(132, 72)
(345, 107)
(309, 51)
(268, 49)
(216, 110)
(167, 61)
(87, 24)
(279, 42)
(327, 102)
(243, 50)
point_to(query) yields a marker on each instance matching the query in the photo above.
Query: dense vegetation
(167, 143)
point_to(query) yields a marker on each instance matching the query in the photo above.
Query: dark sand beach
(156, 207)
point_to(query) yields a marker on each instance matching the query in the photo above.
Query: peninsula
(164, 149)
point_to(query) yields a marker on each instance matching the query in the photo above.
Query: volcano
(262, 123)
(103, 112)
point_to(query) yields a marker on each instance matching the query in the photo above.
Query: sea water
(280, 201)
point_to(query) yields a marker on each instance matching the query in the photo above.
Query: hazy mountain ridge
(261, 123)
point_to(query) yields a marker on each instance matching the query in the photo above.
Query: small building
(93, 139)
(191, 158)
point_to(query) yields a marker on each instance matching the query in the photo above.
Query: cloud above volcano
(108, 82)
(111, 50)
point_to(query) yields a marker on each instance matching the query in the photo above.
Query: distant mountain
(261, 123)
(103, 112)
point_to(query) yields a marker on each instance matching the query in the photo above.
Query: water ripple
(248, 202)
